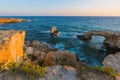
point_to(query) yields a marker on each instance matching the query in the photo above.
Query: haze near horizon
(60, 8)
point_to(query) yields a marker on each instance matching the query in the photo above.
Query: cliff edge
(11, 46)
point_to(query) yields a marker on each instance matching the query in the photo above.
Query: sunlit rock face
(10, 20)
(11, 46)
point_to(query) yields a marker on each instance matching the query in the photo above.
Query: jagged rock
(113, 61)
(11, 46)
(36, 50)
(112, 39)
(61, 58)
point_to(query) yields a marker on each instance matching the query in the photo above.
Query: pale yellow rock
(11, 46)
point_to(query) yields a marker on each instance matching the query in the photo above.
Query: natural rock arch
(111, 42)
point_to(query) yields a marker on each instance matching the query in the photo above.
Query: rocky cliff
(11, 46)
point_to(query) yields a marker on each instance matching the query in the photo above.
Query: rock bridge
(111, 42)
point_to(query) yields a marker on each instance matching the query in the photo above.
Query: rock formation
(113, 61)
(36, 51)
(61, 58)
(10, 20)
(111, 42)
(11, 46)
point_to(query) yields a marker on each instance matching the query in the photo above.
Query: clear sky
(60, 7)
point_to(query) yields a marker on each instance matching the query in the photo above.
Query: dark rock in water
(61, 58)
(112, 39)
(113, 61)
(82, 37)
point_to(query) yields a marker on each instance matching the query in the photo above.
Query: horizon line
(60, 15)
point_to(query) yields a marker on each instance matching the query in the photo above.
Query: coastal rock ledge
(11, 46)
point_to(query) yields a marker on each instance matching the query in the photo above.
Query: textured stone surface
(112, 60)
(11, 46)
(61, 58)
(12, 76)
(60, 73)
(36, 51)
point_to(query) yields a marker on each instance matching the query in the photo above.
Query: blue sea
(38, 28)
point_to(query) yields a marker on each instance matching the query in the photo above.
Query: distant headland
(10, 20)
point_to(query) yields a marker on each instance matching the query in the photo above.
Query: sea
(38, 28)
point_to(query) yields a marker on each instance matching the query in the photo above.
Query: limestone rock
(112, 60)
(12, 76)
(30, 50)
(60, 73)
(61, 58)
(36, 50)
(11, 46)
(85, 72)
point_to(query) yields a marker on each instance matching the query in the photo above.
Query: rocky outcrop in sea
(111, 42)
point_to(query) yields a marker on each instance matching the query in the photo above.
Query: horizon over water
(38, 28)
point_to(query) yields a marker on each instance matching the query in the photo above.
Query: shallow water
(93, 51)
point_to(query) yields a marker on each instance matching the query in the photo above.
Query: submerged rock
(11, 46)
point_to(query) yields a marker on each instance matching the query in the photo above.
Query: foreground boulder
(58, 72)
(36, 51)
(61, 58)
(11, 46)
(10, 20)
(113, 61)
(111, 42)
(12, 76)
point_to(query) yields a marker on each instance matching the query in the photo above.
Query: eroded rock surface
(36, 50)
(11, 46)
(113, 61)
(61, 58)
(60, 73)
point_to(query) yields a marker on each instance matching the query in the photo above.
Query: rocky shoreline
(59, 65)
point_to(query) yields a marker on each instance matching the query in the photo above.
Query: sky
(59, 7)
